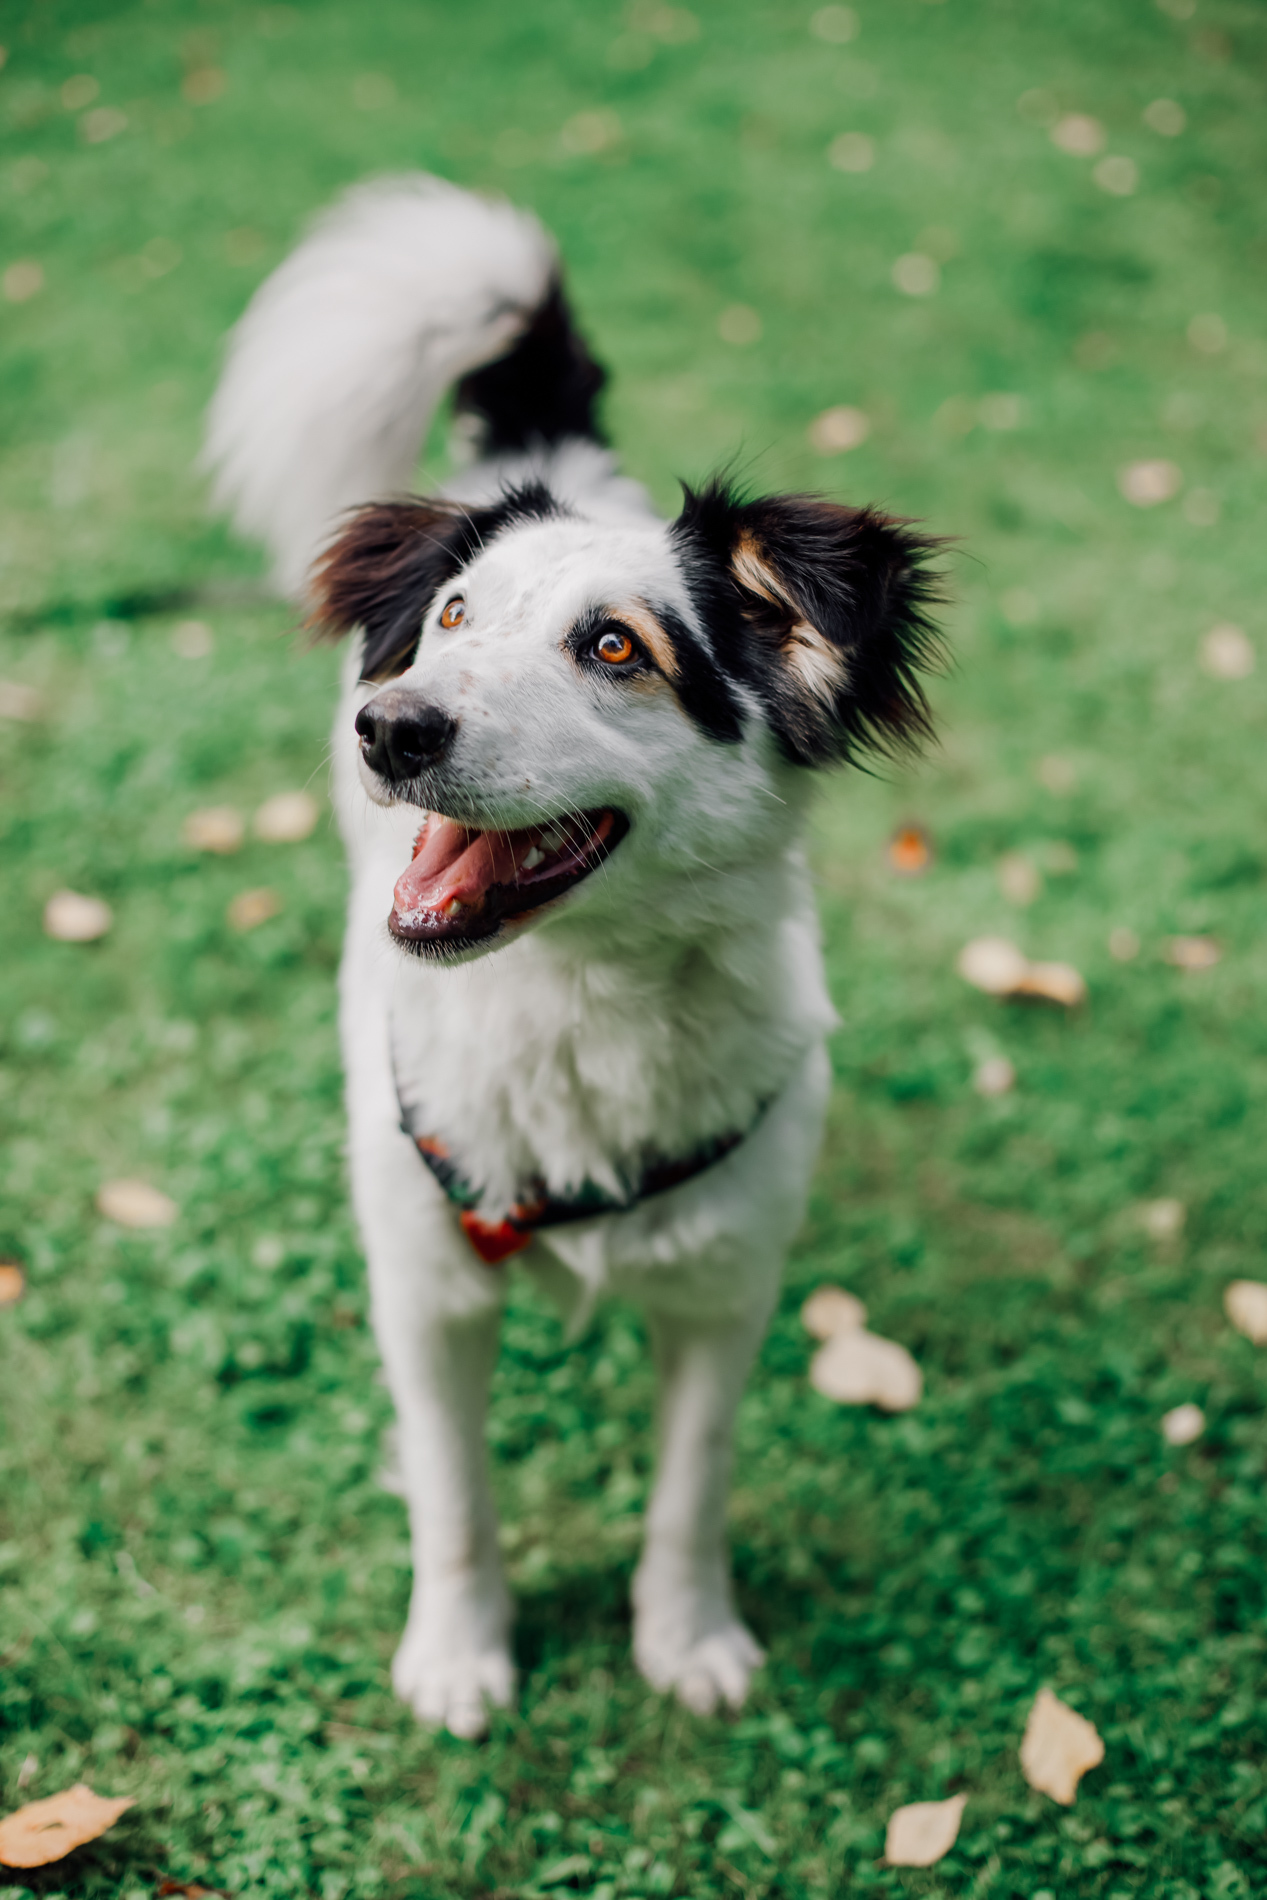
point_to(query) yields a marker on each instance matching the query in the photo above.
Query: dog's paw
(454, 1661)
(716, 1669)
(694, 1644)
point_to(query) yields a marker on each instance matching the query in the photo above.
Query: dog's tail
(405, 287)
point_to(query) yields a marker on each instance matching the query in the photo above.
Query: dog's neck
(594, 1040)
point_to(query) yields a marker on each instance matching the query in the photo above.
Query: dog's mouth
(464, 883)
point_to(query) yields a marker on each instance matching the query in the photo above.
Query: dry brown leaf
(286, 818)
(1245, 1303)
(135, 1204)
(830, 1310)
(994, 1075)
(219, 828)
(249, 909)
(73, 918)
(1193, 953)
(1019, 878)
(1163, 1219)
(1226, 653)
(991, 964)
(1053, 983)
(18, 701)
(1182, 1424)
(12, 1282)
(1058, 1748)
(996, 966)
(48, 1830)
(838, 430)
(859, 1368)
(1145, 484)
(910, 851)
(919, 1834)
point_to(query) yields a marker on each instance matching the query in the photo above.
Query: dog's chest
(537, 1068)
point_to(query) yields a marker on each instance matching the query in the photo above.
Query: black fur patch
(860, 579)
(387, 565)
(544, 389)
(706, 694)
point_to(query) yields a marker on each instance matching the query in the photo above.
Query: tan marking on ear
(753, 573)
(652, 634)
(821, 670)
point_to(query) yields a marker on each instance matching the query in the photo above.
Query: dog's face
(554, 692)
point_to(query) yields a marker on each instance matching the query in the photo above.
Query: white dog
(583, 1008)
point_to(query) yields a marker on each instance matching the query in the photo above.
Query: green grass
(201, 1578)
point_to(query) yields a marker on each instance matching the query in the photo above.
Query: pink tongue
(451, 863)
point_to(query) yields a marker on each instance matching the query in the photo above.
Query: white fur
(671, 995)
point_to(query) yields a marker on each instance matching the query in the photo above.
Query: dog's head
(555, 691)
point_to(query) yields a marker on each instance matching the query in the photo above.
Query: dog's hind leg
(687, 1634)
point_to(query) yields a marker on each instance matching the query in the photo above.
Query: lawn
(201, 1572)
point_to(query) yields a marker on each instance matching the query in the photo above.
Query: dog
(583, 1011)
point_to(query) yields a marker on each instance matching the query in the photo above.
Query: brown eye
(614, 646)
(454, 612)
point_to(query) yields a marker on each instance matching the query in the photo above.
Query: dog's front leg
(687, 1635)
(436, 1311)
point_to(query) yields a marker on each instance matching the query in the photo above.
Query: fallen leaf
(193, 640)
(919, 1834)
(135, 1204)
(1193, 953)
(859, 1368)
(1245, 1303)
(838, 430)
(910, 851)
(219, 828)
(73, 918)
(1226, 654)
(830, 1310)
(994, 1076)
(286, 818)
(991, 964)
(12, 1282)
(1078, 134)
(1053, 983)
(1057, 774)
(1058, 1748)
(252, 908)
(1018, 877)
(18, 701)
(1117, 175)
(1163, 1219)
(1145, 484)
(45, 1831)
(1182, 1424)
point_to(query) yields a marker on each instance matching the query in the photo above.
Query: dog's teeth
(552, 841)
(452, 908)
(533, 859)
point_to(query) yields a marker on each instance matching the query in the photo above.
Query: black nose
(401, 735)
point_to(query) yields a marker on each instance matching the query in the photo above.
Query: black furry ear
(824, 610)
(386, 565)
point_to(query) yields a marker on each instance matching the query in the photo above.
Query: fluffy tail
(406, 286)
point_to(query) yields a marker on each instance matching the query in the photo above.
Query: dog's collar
(536, 1207)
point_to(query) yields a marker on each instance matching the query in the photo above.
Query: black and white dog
(581, 739)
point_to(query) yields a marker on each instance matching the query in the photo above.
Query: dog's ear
(382, 571)
(824, 610)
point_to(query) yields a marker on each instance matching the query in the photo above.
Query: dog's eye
(454, 612)
(615, 647)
